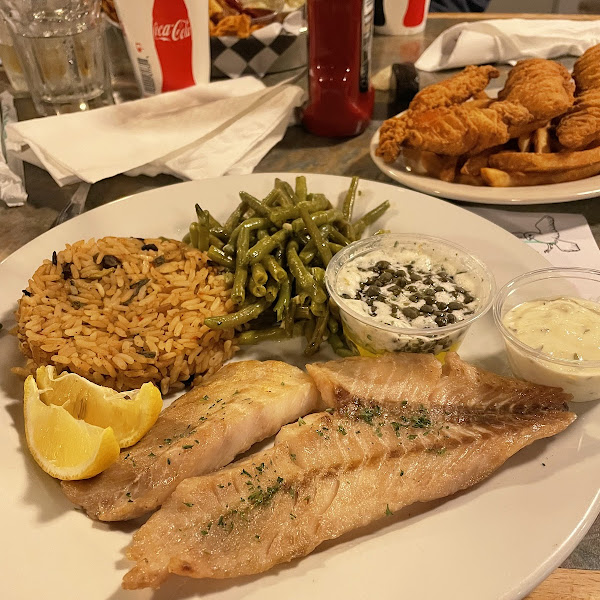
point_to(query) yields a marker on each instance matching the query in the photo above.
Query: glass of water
(61, 46)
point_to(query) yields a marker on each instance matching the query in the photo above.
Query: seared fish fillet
(456, 89)
(580, 127)
(243, 403)
(403, 432)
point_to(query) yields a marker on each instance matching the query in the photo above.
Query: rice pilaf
(124, 311)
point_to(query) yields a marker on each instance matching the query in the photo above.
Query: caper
(395, 289)
(439, 288)
(382, 264)
(468, 298)
(455, 305)
(412, 288)
(451, 318)
(441, 321)
(372, 291)
(429, 292)
(426, 308)
(461, 290)
(428, 281)
(414, 297)
(442, 305)
(410, 312)
(415, 277)
(384, 278)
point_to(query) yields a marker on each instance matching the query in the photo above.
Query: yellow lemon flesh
(63, 446)
(130, 414)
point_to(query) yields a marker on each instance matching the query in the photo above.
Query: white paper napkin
(505, 40)
(202, 131)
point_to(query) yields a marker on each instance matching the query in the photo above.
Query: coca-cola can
(167, 41)
(400, 17)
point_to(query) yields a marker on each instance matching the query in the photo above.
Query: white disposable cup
(402, 17)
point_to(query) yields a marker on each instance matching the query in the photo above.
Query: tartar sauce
(563, 328)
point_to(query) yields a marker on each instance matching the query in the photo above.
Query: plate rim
(528, 195)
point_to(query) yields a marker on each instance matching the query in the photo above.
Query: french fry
(499, 178)
(541, 140)
(530, 161)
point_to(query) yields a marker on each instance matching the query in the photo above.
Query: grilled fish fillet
(402, 431)
(456, 89)
(543, 87)
(580, 127)
(243, 403)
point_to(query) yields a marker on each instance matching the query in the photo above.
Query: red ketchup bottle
(339, 50)
(173, 41)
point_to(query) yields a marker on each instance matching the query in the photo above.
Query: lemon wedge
(63, 446)
(130, 414)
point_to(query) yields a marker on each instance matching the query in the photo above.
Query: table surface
(297, 152)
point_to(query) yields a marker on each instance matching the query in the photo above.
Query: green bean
(259, 274)
(228, 277)
(272, 198)
(211, 220)
(259, 291)
(315, 234)
(213, 240)
(238, 293)
(283, 299)
(203, 231)
(319, 218)
(289, 319)
(272, 290)
(334, 248)
(221, 258)
(348, 206)
(235, 218)
(244, 315)
(333, 325)
(273, 266)
(318, 308)
(338, 345)
(308, 252)
(334, 234)
(318, 334)
(255, 336)
(256, 205)
(303, 312)
(266, 246)
(280, 215)
(303, 277)
(309, 328)
(187, 239)
(319, 274)
(301, 188)
(194, 232)
(370, 218)
(250, 224)
(286, 190)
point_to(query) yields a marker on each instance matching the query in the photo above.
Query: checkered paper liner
(256, 55)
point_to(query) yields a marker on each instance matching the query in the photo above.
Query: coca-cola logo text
(172, 32)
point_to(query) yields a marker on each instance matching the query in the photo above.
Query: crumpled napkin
(506, 40)
(202, 131)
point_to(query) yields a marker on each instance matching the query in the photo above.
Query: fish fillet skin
(310, 487)
(203, 430)
(456, 89)
(544, 87)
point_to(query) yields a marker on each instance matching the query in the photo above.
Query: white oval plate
(535, 194)
(495, 541)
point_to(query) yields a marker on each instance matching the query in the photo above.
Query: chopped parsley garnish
(388, 512)
(190, 504)
(342, 430)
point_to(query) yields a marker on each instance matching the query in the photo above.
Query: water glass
(61, 46)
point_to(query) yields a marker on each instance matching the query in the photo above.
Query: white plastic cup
(400, 17)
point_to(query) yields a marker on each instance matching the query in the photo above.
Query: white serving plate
(495, 541)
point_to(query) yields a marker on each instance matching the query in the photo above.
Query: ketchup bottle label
(173, 42)
(365, 49)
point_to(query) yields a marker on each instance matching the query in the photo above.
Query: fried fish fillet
(243, 403)
(544, 87)
(402, 431)
(460, 129)
(456, 89)
(580, 127)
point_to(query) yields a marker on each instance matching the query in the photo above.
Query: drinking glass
(61, 46)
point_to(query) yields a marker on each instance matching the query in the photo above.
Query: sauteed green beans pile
(275, 252)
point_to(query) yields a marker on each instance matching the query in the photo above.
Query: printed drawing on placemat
(547, 234)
